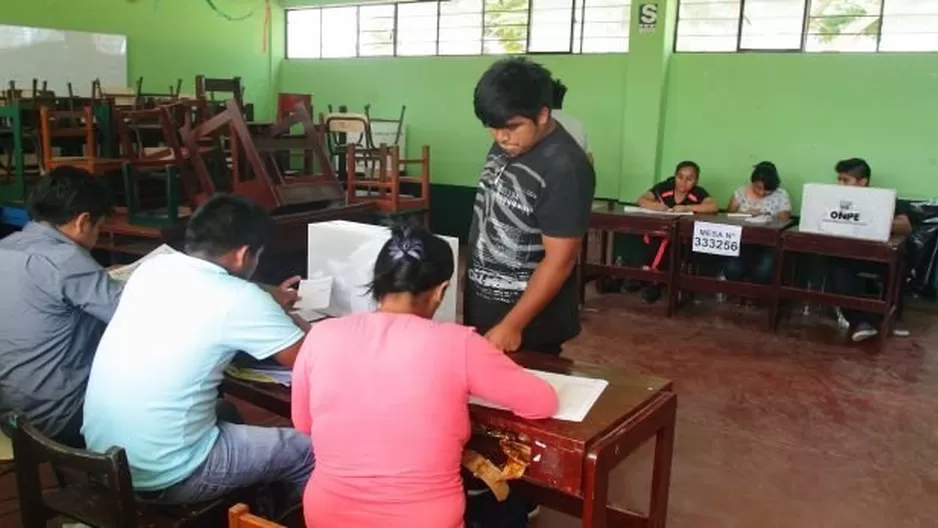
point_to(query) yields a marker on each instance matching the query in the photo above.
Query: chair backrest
(66, 124)
(287, 102)
(239, 516)
(32, 449)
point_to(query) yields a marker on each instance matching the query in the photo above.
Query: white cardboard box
(338, 239)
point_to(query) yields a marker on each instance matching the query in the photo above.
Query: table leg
(661, 470)
(775, 297)
(581, 276)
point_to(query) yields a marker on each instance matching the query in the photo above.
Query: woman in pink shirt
(384, 397)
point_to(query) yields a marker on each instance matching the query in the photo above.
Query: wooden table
(892, 253)
(768, 235)
(609, 218)
(571, 461)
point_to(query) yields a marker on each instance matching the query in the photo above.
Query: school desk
(767, 235)
(608, 218)
(571, 461)
(892, 253)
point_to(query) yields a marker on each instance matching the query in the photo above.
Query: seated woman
(761, 197)
(679, 194)
(385, 396)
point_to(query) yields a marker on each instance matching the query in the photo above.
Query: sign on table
(717, 239)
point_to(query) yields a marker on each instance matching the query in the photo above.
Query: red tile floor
(795, 429)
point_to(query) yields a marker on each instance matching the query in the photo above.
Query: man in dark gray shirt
(55, 303)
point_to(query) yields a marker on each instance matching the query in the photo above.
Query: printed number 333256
(715, 243)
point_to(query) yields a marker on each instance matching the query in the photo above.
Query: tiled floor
(796, 429)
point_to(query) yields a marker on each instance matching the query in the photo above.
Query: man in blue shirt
(55, 303)
(156, 374)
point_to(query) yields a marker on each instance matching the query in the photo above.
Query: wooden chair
(250, 176)
(239, 516)
(151, 145)
(73, 126)
(106, 499)
(206, 89)
(384, 185)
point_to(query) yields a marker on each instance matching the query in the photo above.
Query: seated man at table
(762, 196)
(679, 194)
(55, 304)
(845, 274)
(156, 374)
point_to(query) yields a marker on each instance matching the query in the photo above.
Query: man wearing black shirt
(531, 212)
(845, 273)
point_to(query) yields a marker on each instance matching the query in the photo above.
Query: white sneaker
(900, 330)
(863, 332)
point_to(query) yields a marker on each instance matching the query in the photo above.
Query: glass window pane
(707, 25)
(606, 26)
(376, 30)
(416, 28)
(339, 31)
(303, 34)
(461, 27)
(551, 27)
(505, 26)
(910, 25)
(772, 24)
(843, 25)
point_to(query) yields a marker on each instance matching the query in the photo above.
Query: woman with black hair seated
(385, 396)
(762, 196)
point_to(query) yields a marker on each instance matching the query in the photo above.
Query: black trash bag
(922, 249)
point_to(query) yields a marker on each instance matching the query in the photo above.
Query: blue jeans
(754, 262)
(243, 456)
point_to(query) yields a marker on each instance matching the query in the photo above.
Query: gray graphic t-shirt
(772, 204)
(546, 191)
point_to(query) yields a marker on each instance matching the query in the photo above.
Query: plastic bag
(922, 249)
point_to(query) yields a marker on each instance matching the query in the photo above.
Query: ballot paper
(315, 292)
(123, 273)
(642, 210)
(577, 395)
(738, 215)
(761, 219)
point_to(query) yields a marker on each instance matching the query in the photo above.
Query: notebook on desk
(854, 212)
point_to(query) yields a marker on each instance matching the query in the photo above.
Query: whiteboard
(60, 57)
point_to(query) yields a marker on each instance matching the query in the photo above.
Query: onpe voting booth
(842, 210)
(347, 251)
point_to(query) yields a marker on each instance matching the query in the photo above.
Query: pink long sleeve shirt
(384, 398)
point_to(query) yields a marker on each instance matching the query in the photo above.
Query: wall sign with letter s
(647, 18)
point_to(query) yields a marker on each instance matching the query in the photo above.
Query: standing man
(531, 212)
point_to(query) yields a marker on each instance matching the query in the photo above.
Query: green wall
(805, 112)
(726, 111)
(438, 95)
(172, 39)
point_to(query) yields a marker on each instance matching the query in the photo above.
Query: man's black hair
(511, 88)
(227, 222)
(856, 167)
(560, 90)
(67, 192)
(687, 163)
(767, 173)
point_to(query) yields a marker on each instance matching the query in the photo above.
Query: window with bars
(459, 27)
(807, 25)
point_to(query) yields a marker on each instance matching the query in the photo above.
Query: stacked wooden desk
(571, 461)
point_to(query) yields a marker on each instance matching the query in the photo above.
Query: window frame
(578, 9)
(805, 34)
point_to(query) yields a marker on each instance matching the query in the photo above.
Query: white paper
(577, 395)
(310, 316)
(123, 273)
(738, 215)
(717, 239)
(761, 219)
(314, 293)
(642, 210)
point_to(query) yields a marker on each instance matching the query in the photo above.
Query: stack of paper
(641, 210)
(123, 273)
(262, 373)
(577, 395)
